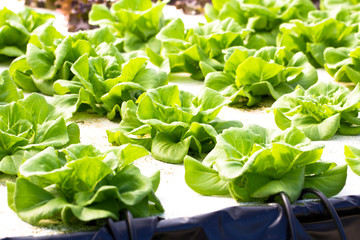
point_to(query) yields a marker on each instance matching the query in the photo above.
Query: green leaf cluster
(135, 22)
(8, 89)
(312, 38)
(49, 57)
(172, 123)
(197, 50)
(248, 74)
(103, 83)
(264, 17)
(352, 157)
(340, 62)
(28, 126)
(347, 16)
(81, 184)
(254, 163)
(320, 111)
(343, 63)
(201, 50)
(15, 30)
(86, 68)
(329, 38)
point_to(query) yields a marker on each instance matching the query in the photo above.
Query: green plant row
(84, 70)
(59, 179)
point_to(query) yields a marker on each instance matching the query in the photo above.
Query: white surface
(190, 21)
(13, 5)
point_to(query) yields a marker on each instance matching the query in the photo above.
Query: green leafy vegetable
(197, 50)
(258, 14)
(28, 126)
(172, 123)
(264, 17)
(320, 111)
(135, 22)
(313, 38)
(248, 75)
(103, 83)
(80, 183)
(87, 68)
(352, 157)
(15, 30)
(50, 56)
(343, 64)
(341, 14)
(253, 163)
(8, 90)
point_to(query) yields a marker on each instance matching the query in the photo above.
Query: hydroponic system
(172, 115)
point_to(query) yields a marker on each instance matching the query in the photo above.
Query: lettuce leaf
(264, 17)
(313, 38)
(8, 90)
(86, 69)
(248, 75)
(254, 163)
(135, 22)
(28, 126)
(172, 123)
(197, 50)
(57, 189)
(259, 15)
(343, 63)
(347, 16)
(352, 157)
(320, 111)
(50, 56)
(102, 83)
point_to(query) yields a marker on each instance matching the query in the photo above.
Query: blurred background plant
(76, 11)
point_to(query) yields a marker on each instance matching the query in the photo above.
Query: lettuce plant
(15, 30)
(172, 123)
(343, 64)
(254, 163)
(352, 157)
(313, 38)
(103, 84)
(81, 184)
(340, 62)
(135, 22)
(248, 74)
(8, 90)
(50, 55)
(87, 68)
(264, 17)
(197, 49)
(320, 111)
(28, 126)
